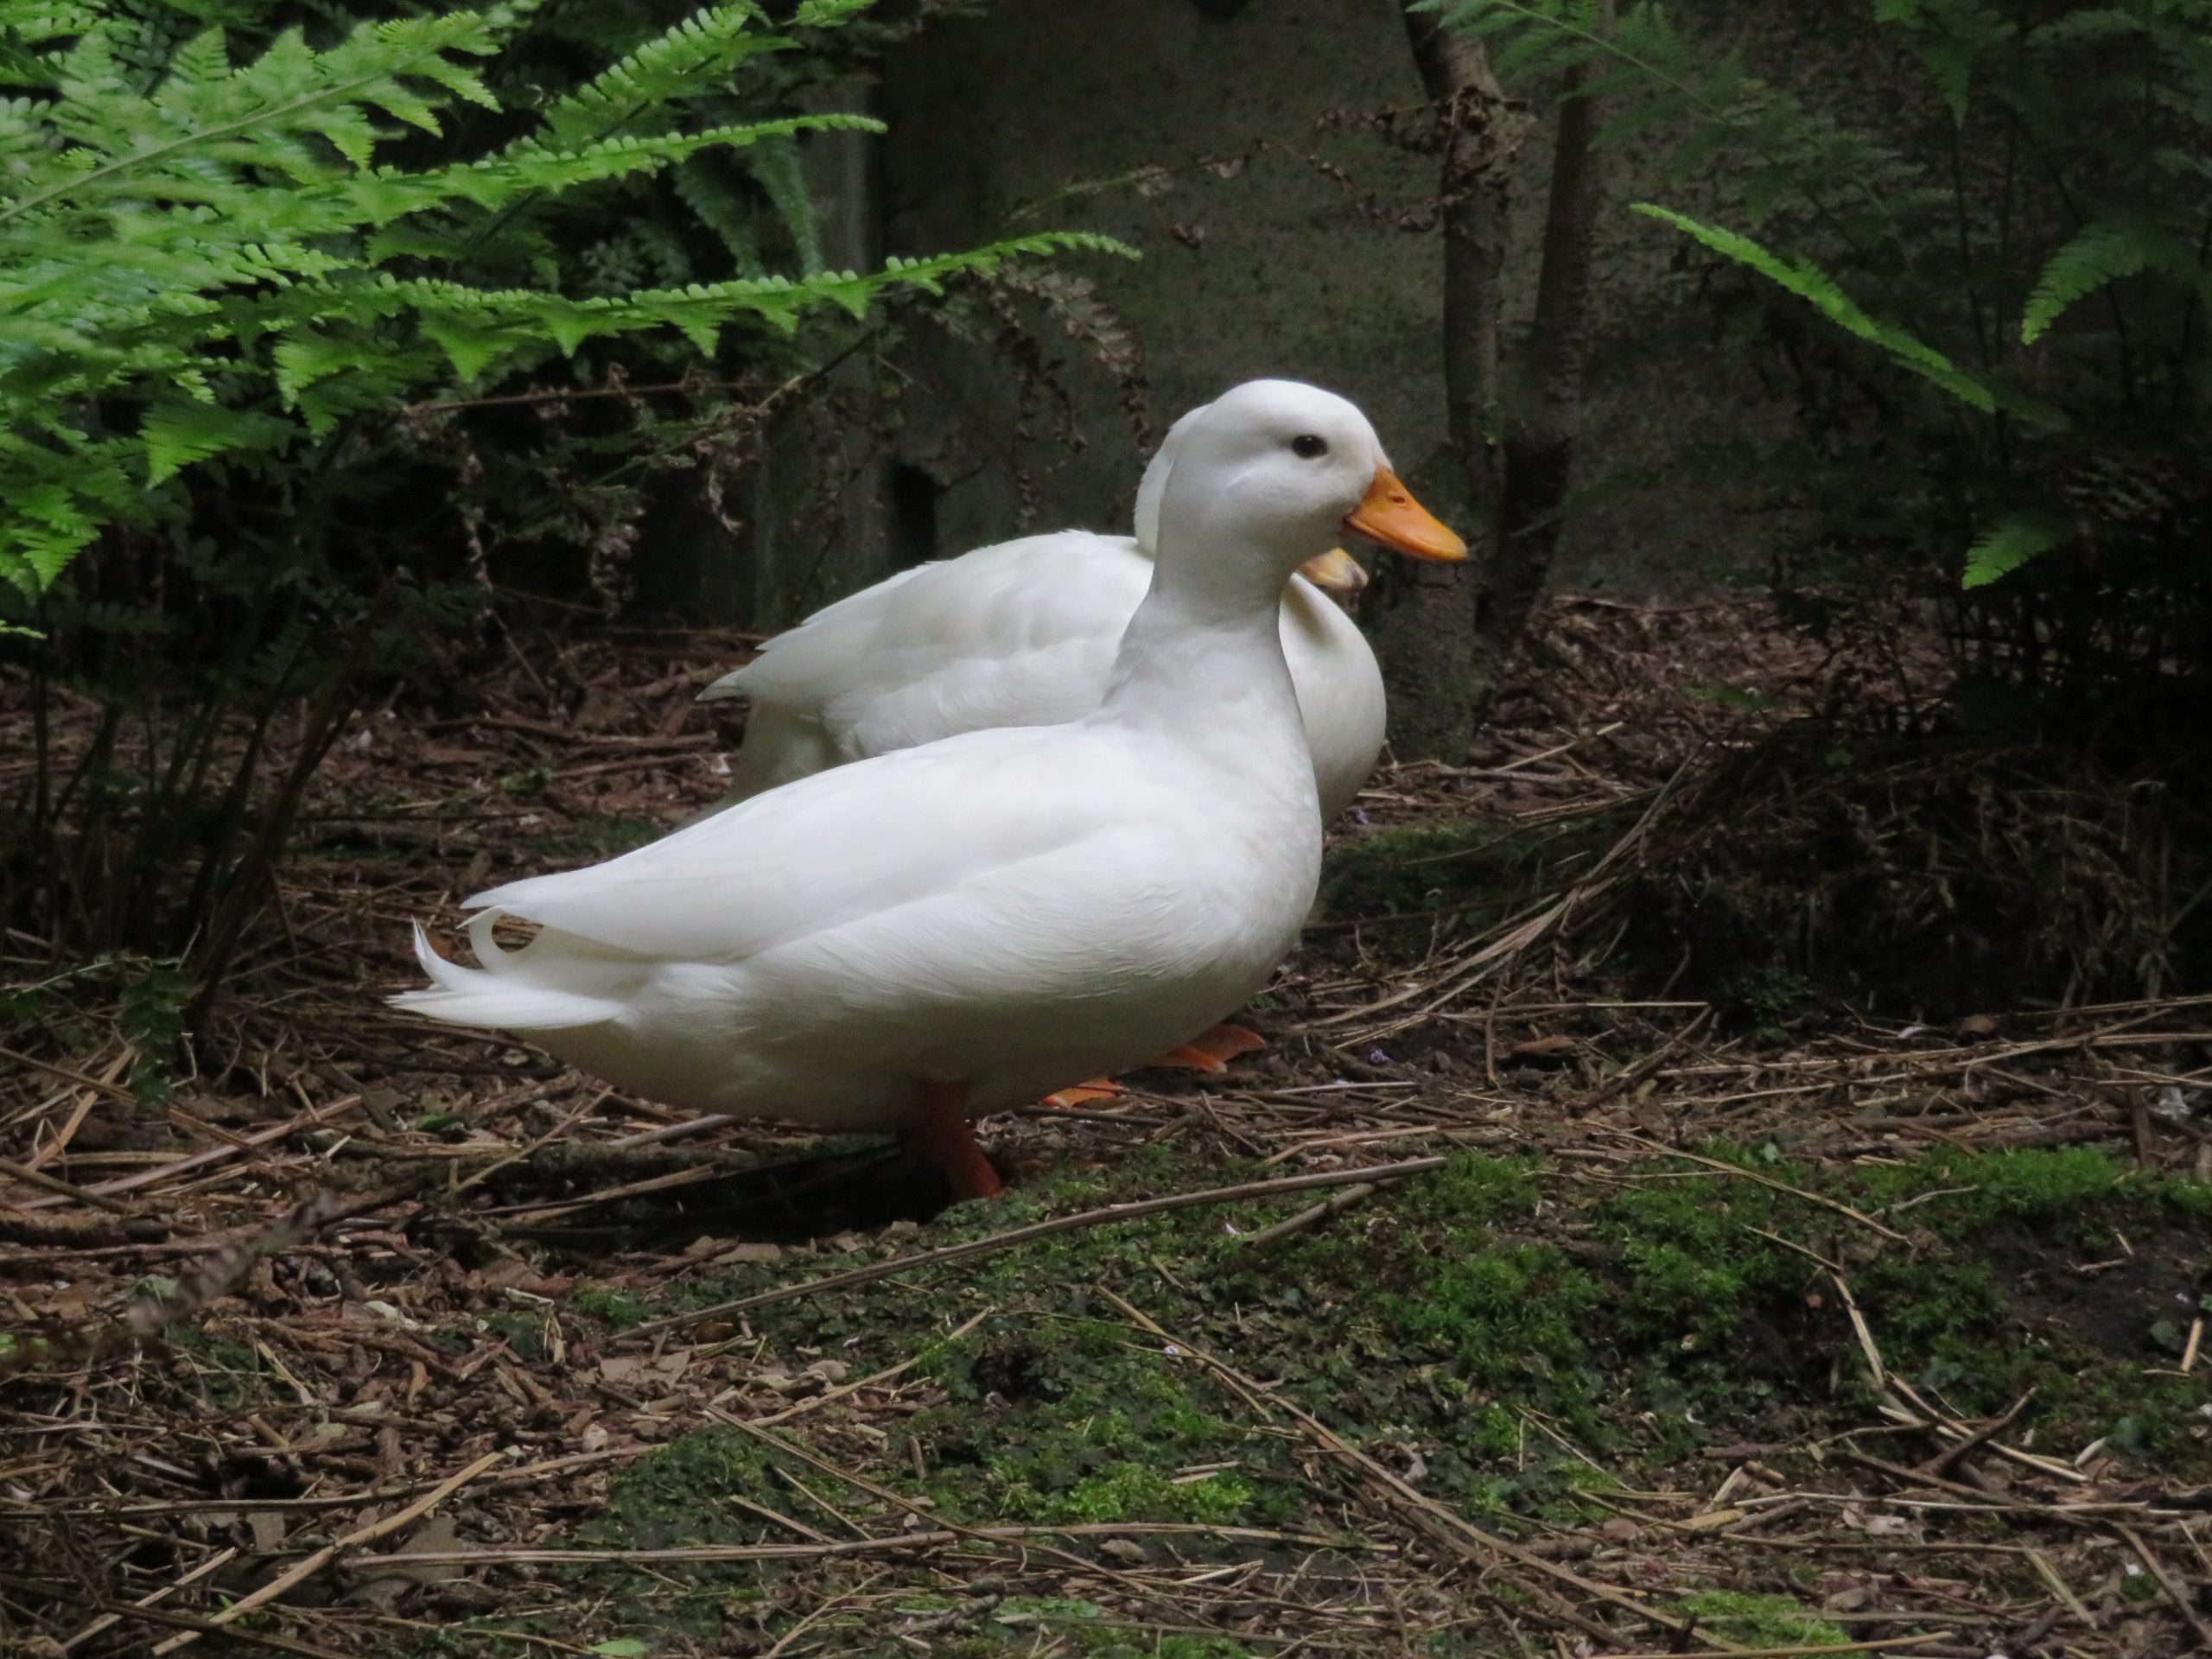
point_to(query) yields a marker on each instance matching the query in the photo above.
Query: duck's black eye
(1306, 446)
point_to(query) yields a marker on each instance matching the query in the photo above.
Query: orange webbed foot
(1212, 1049)
(1082, 1094)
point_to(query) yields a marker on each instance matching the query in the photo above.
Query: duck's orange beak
(1335, 572)
(1391, 516)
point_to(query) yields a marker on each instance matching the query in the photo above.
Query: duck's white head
(1335, 572)
(1272, 474)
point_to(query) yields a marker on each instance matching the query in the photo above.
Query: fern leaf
(2008, 544)
(694, 56)
(178, 432)
(776, 166)
(1814, 286)
(828, 14)
(217, 247)
(719, 207)
(2100, 253)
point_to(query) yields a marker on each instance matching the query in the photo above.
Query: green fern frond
(776, 168)
(220, 255)
(388, 193)
(177, 432)
(719, 206)
(2100, 253)
(697, 56)
(2008, 544)
(35, 23)
(1814, 286)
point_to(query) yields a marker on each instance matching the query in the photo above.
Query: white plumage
(916, 938)
(1021, 633)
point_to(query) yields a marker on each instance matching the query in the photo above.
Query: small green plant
(618, 1309)
(151, 1012)
(1761, 1621)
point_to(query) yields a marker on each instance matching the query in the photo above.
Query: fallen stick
(29, 1177)
(1334, 1205)
(313, 1564)
(220, 1559)
(679, 1555)
(1942, 1462)
(315, 1119)
(1112, 1212)
(2174, 1593)
(1768, 1182)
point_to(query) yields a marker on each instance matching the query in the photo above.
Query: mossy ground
(1594, 1390)
(1536, 1343)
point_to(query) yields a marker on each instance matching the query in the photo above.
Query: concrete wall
(1026, 117)
(1289, 255)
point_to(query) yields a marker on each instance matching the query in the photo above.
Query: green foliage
(1695, 1263)
(151, 1013)
(2100, 254)
(2060, 1185)
(617, 1309)
(275, 281)
(2011, 543)
(1508, 1315)
(2030, 241)
(225, 257)
(1810, 282)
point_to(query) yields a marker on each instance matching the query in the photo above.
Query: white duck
(1023, 633)
(917, 938)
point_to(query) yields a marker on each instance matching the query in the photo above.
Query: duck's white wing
(1022, 633)
(858, 840)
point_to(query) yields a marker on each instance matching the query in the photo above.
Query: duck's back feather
(1022, 633)
(1019, 634)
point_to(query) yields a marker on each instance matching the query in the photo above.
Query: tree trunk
(1428, 618)
(1545, 387)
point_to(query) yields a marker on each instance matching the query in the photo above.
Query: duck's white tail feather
(539, 988)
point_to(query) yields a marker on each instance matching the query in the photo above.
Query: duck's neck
(1202, 663)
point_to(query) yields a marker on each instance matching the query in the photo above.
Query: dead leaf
(605, 710)
(750, 1251)
(383, 1591)
(634, 1371)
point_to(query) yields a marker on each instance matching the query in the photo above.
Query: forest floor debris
(1491, 1311)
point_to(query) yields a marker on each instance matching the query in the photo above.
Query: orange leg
(942, 1137)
